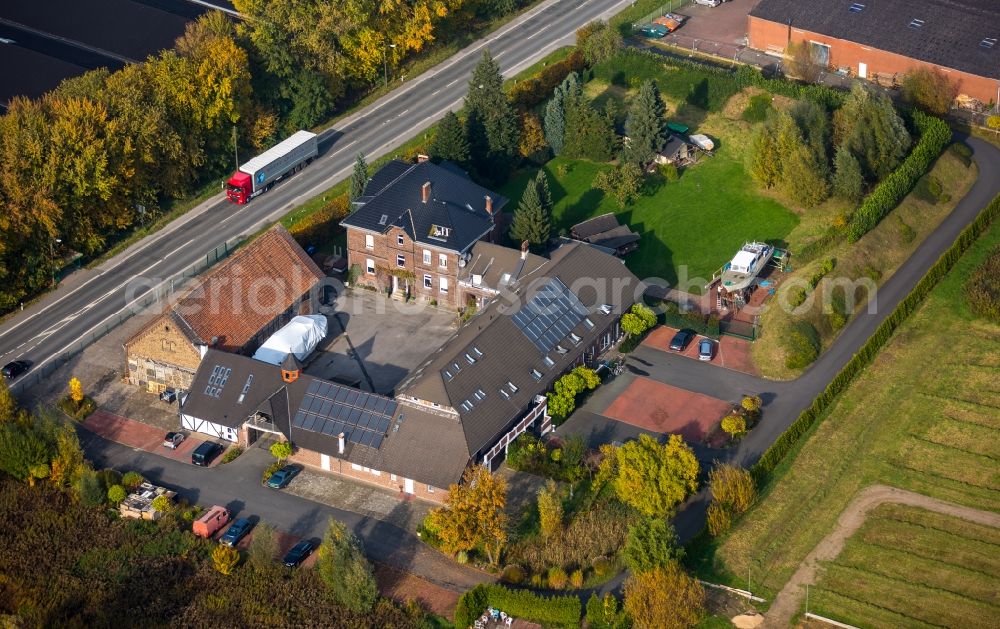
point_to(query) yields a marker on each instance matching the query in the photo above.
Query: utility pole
(236, 150)
(385, 64)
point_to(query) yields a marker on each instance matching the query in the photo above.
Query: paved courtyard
(665, 409)
(730, 352)
(375, 341)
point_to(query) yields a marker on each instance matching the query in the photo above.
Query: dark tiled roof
(226, 409)
(273, 270)
(615, 238)
(493, 262)
(950, 35)
(594, 226)
(456, 203)
(503, 354)
(605, 231)
(426, 447)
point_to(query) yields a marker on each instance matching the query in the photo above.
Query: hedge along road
(93, 298)
(789, 399)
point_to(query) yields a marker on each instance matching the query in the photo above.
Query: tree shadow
(582, 209)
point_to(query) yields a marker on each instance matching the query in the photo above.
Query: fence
(673, 5)
(739, 329)
(161, 291)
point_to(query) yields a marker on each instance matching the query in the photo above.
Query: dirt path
(787, 603)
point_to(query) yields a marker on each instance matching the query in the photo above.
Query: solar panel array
(331, 409)
(550, 315)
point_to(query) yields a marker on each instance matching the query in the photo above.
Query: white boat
(703, 142)
(743, 269)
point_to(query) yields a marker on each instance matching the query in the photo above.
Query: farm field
(923, 417)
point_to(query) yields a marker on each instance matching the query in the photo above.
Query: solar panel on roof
(383, 425)
(371, 402)
(366, 438)
(325, 389)
(313, 386)
(309, 423)
(352, 397)
(364, 419)
(379, 406)
(327, 408)
(549, 315)
(328, 427)
(390, 408)
(354, 436)
(354, 417)
(377, 441)
(342, 394)
(299, 417)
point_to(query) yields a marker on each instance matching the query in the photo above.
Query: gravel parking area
(376, 341)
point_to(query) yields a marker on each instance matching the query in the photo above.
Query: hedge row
(934, 137)
(529, 92)
(322, 225)
(549, 610)
(870, 349)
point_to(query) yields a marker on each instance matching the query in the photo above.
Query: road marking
(453, 82)
(434, 93)
(403, 113)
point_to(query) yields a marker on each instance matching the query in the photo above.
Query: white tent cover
(300, 337)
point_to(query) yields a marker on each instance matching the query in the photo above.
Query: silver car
(706, 349)
(708, 3)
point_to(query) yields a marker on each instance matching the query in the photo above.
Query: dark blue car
(283, 476)
(236, 532)
(298, 553)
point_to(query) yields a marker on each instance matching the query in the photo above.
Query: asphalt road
(237, 486)
(52, 326)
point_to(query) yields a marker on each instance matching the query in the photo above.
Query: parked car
(654, 31)
(706, 349)
(173, 439)
(236, 532)
(708, 3)
(298, 553)
(282, 477)
(15, 368)
(210, 522)
(204, 454)
(681, 340)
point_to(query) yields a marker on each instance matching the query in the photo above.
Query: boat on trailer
(743, 269)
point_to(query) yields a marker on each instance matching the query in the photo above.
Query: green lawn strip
(893, 563)
(924, 604)
(857, 440)
(948, 462)
(971, 438)
(689, 228)
(837, 606)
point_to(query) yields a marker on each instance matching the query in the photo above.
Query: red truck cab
(239, 188)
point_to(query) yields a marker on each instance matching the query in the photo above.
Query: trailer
(261, 172)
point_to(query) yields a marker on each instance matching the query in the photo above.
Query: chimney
(425, 192)
(524, 250)
(421, 158)
(340, 443)
(489, 205)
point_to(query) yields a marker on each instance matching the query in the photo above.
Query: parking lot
(730, 352)
(375, 341)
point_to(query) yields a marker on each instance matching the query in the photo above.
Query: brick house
(463, 406)
(414, 228)
(884, 38)
(234, 307)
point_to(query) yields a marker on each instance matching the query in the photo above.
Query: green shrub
(576, 579)
(561, 611)
(934, 136)
(231, 454)
(907, 233)
(864, 356)
(90, 489)
(513, 574)
(803, 345)
(962, 152)
(462, 557)
(757, 108)
(797, 297)
(670, 172)
(557, 578)
(602, 567)
(271, 469)
(982, 289)
(322, 225)
(526, 93)
(131, 480)
(116, 494)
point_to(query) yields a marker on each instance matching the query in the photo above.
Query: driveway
(237, 486)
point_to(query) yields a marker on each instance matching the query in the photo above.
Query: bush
(962, 152)
(271, 469)
(563, 611)
(224, 559)
(513, 574)
(527, 93)
(116, 494)
(866, 354)
(462, 557)
(706, 325)
(734, 425)
(89, 489)
(231, 454)
(79, 411)
(652, 543)
(935, 135)
(596, 532)
(670, 172)
(576, 579)
(131, 480)
(557, 578)
(322, 225)
(603, 567)
(803, 345)
(718, 519)
(982, 289)
(757, 108)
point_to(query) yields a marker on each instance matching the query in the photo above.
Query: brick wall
(373, 477)
(772, 36)
(386, 248)
(161, 356)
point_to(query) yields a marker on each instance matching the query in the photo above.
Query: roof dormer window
(439, 231)
(576, 339)
(537, 375)
(605, 308)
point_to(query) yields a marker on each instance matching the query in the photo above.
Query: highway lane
(56, 323)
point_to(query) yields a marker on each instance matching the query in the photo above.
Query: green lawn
(689, 228)
(923, 417)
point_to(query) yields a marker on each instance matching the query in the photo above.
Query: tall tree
(645, 125)
(929, 89)
(763, 159)
(847, 181)
(450, 142)
(550, 509)
(359, 177)
(533, 217)
(651, 543)
(555, 121)
(664, 598)
(868, 125)
(623, 183)
(655, 478)
(473, 514)
(345, 571)
(589, 134)
(599, 41)
(492, 123)
(532, 138)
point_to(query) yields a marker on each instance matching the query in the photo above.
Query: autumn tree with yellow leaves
(473, 514)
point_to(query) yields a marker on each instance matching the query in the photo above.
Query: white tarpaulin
(299, 337)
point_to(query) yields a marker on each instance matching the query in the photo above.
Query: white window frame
(355, 467)
(430, 489)
(428, 281)
(369, 241)
(443, 285)
(370, 266)
(427, 256)
(399, 239)
(400, 260)
(443, 260)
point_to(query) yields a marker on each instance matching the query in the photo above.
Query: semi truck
(260, 173)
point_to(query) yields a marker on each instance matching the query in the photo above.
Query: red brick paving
(730, 352)
(136, 434)
(659, 407)
(403, 586)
